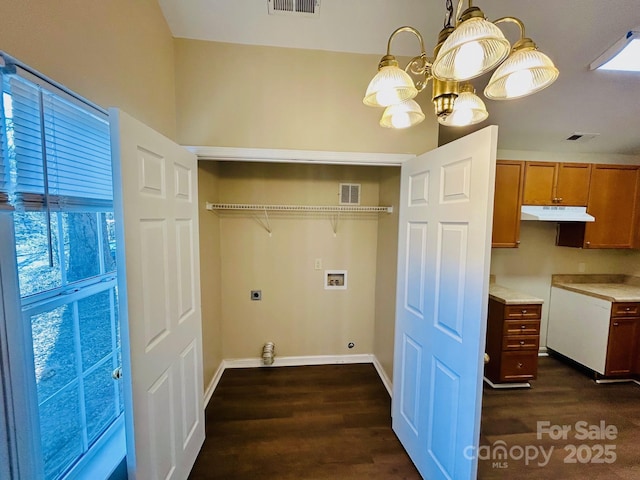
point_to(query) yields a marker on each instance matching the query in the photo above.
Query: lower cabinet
(513, 339)
(622, 348)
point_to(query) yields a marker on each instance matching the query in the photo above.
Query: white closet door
(156, 197)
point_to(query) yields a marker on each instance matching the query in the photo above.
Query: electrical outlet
(318, 264)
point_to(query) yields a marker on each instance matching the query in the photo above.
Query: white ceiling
(572, 32)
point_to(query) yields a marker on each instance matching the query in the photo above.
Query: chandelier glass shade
(472, 48)
(475, 47)
(402, 115)
(526, 71)
(390, 86)
(468, 109)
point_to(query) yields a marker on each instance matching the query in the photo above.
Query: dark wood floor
(333, 422)
(316, 422)
(563, 395)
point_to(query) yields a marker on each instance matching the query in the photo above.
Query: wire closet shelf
(333, 210)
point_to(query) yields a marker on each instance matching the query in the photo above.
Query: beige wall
(296, 312)
(116, 53)
(387, 266)
(210, 276)
(284, 98)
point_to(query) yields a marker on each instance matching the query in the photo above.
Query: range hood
(556, 214)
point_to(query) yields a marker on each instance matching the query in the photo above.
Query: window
(55, 182)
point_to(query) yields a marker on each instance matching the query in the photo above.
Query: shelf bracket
(266, 224)
(334, 223)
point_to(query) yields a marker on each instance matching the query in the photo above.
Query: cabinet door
(506, 204)
(572, 184)
(622, 347)
(539, 183)
(613, 199)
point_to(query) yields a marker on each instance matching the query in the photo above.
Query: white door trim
(298, 156)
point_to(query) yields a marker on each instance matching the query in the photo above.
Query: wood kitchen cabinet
(622, 348)
(613, 201)
(506, 203)
(549, 183)
(513, 338)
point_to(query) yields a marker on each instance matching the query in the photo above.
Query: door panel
(443, 273)
(159, 289)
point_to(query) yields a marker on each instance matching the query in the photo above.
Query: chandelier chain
(449, 14)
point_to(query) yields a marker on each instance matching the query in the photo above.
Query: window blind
(73, 143)
(3, 162)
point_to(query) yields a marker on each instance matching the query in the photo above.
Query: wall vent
(305, 8)
(349, 194)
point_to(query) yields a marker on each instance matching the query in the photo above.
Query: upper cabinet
(613, 201)
(506, 203)
(548, 183)
(611, 194)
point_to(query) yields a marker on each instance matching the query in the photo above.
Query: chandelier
(472, 48)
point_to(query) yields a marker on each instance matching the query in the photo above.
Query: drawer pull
(615, 324)
(628, 308)
(522, 327)
(521, 342)
(524, 311)
(520, 364)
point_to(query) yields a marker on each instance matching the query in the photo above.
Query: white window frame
(20, 452)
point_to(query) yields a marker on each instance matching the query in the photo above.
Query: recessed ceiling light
(623, 56)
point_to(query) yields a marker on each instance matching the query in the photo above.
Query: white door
(446, 206)
(156, 209)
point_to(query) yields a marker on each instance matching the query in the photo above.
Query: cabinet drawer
(520, 342)
(522, 311)
(516, 366)
(625, 309)
(521, 327)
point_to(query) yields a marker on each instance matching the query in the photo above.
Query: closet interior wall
(296, 312)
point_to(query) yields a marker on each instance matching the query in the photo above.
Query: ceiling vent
(349, 194)
(305, 8)
(582, 137)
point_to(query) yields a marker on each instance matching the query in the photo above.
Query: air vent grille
(310, 8)
(349, 194)
(582, 137)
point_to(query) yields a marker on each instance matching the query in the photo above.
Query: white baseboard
(295, 362)
(213, 383)
(605, 381)
(386, 381)
(299, 361)
(506, 385)
(543, 352)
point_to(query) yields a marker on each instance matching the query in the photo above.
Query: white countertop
(509, 296)
(612, 292)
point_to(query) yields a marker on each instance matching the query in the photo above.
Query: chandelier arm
(459, 10)
(422, 84)
(406, 29)
(420, 65)
(512, 20)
